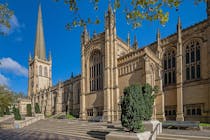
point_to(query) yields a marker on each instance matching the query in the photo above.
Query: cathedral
(178, 64)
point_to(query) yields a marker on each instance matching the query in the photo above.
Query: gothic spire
(179, 30)
(158, 43)
(50, 56)
(29, 57)
(128, 39)
(110, 8)
(158, 37)
(179, 37)
(40, 42)
(135, 44)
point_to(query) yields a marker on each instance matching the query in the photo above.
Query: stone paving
(21, 134)
(54, 129)
(58, 130)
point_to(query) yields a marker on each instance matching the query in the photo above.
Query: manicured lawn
(205, 124)
(70, 117)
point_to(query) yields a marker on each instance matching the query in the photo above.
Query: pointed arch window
(169, 62)
(45, 72)
(96, 71)
(40, 70)
(192, 57)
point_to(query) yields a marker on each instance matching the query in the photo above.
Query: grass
(48, 116)
(205, 124)
(70, 117)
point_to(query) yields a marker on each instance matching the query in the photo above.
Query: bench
(181, 124)
(96, 119)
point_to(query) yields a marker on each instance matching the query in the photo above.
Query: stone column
(84, 40)
(179, 74)
(59, 104)
(49, 104)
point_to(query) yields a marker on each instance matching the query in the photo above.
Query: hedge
(7, 111)
(29, 112)
(17, 114)
(136, 106)
(1, 112)
(37, 109)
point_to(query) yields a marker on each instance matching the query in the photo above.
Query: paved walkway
(54, 129)
(58, 130)
(21, 134)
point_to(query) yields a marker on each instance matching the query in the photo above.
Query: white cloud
(15, 25)
(10, 65)
(3, 80)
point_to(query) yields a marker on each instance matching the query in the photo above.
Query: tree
(1, 112)
(136, 106)
(37, 109)
(132, 111)
(5, 16)
(6, 98)
(17, 114)
(135, 11)
(149, 97)
(29, 112)
(7, 111)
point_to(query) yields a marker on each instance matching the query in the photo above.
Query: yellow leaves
(5, 15)
(135, 12)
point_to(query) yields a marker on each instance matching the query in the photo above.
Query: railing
(154, 131)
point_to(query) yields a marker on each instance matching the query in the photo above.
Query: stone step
(180, 137)
(94, 136)
(71, 128)
(99, 131)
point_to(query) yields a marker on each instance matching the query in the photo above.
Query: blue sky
(65, 45)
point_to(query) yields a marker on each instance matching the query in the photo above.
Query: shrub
(136, 106)
(7, 111)
(1, 112)
(70, 117)
(29, 112)
(132, 114)
(17, 114)
(37, 109)
(147, 91)
(13, 109)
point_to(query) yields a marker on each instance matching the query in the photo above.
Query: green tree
(1, 112)
(29, 112)
(7, 111)
(17, 114)
(135, 11)
(136, 106)
(132, 111)
(149, 97)
(37, 109)
(6, 98)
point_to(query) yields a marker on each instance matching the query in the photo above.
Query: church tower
(39, 74)
(111, 84)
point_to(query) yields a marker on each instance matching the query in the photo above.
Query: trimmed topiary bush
(132, 112)
(37, 109)
(29, 112)
(7, 111)
(136, 106)
(1, 112)
(13, 109)
(17, 114)
(149, 98)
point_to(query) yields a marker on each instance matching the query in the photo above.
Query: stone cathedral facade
(178, 64)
